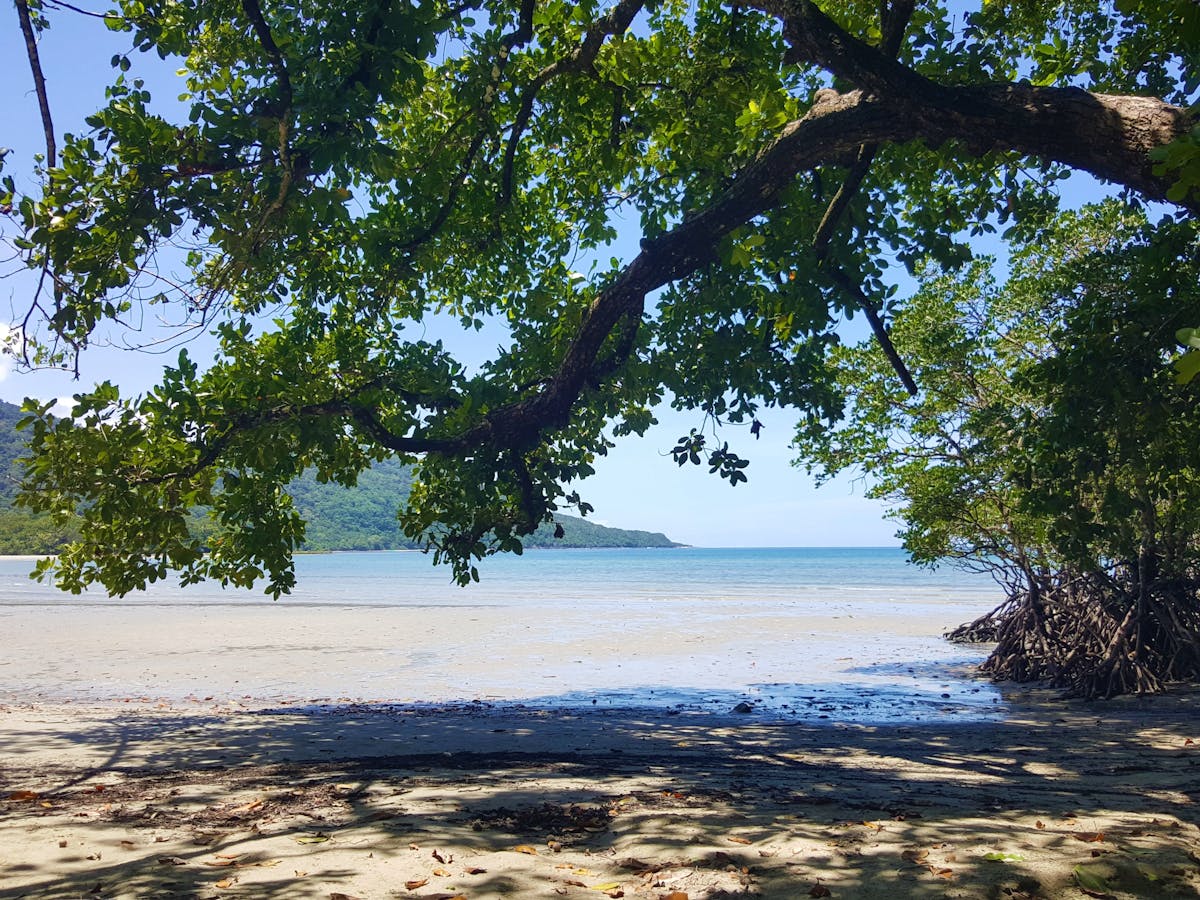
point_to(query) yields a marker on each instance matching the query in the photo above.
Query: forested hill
(360, 518)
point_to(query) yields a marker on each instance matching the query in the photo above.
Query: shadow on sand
(355, 800)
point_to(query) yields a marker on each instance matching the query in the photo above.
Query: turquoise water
(777, 575)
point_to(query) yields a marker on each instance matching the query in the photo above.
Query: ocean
(844, 634)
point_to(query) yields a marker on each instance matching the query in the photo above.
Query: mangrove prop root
(1095, 635)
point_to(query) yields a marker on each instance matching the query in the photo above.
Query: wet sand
(205, 751)
(794, 663)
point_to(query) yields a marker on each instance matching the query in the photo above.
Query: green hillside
(20, 530)
(360, 518)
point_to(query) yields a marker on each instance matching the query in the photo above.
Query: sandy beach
(196, 751)
(376, 801)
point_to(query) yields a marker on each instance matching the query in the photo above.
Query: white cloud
(8, 340)
(63, 407)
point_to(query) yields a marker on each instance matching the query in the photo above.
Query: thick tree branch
(814, 37)
(1056, 123)
(262, 31)
(1108, 136)
(1093, 132)
(39, 81)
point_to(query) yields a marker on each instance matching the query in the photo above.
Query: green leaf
(1092, 878)
(1187, 366)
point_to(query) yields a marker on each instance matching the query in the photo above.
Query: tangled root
(1095, 635)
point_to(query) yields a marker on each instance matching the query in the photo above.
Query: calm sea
(845, 576)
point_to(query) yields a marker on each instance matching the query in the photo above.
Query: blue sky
(636, 486)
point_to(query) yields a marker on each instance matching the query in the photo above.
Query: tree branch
(516, 38)
(814, 37)
(618, 19)
(39, 81)
(894, 20)
(854, 289)
(1075, 124)
(1057, 123)
(263, 32)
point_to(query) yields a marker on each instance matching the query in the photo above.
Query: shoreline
(867, 661)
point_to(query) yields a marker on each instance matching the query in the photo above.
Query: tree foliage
(339, 171)
(362, 517)
(1050, 446)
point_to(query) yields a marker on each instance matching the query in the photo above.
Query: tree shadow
(543, 797)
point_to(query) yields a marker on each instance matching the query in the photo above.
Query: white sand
(171, 751)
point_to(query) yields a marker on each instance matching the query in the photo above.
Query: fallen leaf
(1040, 825)
(379, 816)
(24, 795)
(525, 848)
(738, 840)
(914, 856)
(1089, 837)
(338, 895)
(439, 857)
(219, 863)
(312, 838)
(228, 855)
(46, 804)
(226, 883)
(573, 883)
(676, 895)
(170, 861)
(62, 843)
(1003, 857)
(128, 845)
(413, 847)
(474, 870)
(1150, 873)
(1188, 742)
(874, 825)
(1092, 880)
(819, 890)
(607, 886)
(442, 873)
(416, 883)
(944, 873)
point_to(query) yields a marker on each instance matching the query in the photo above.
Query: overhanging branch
(894, 20)
(39, 81)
